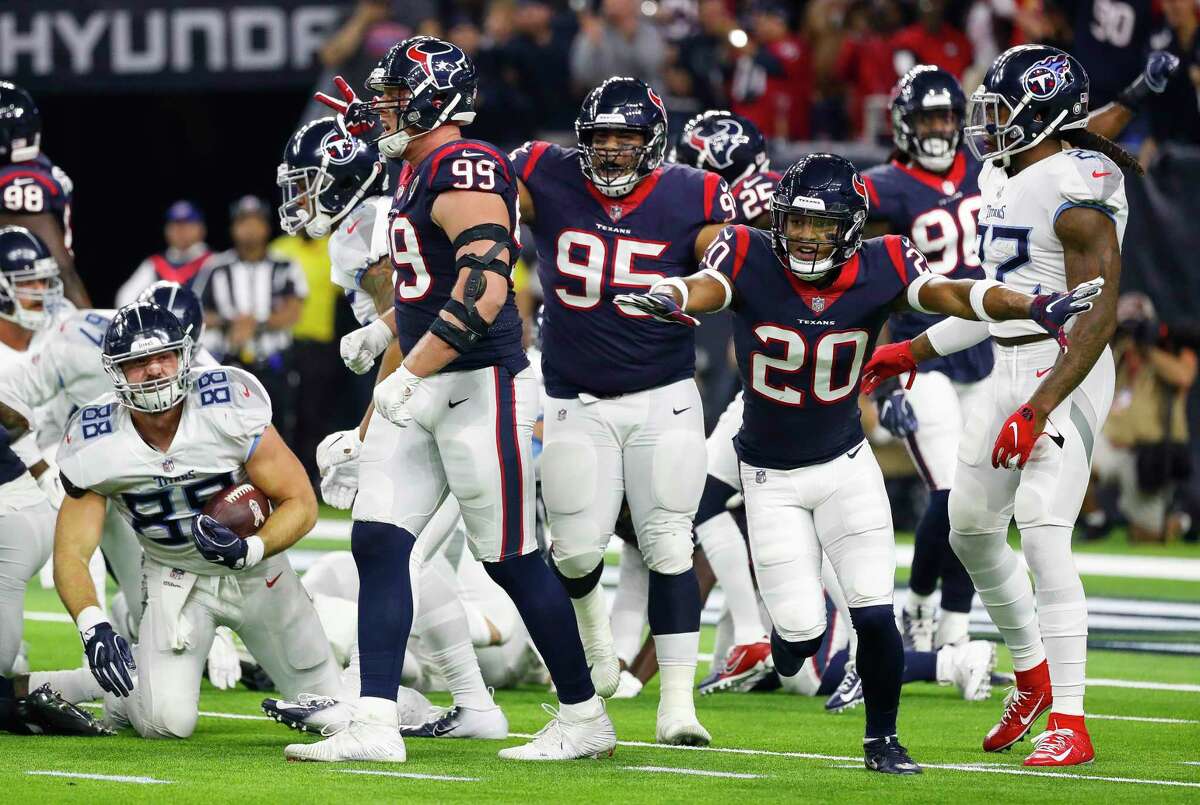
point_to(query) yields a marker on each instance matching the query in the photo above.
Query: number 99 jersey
(158, 493)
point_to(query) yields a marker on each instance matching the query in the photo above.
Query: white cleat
(362, 740)
(680, 729)
(563, 739)
(970, 668)
(629, 686)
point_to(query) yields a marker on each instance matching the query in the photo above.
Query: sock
(385, 605)
(1062, 613)
(835, 669)
(953, 628)
(460, 669)
(915, 601)
(931, 543)
(726, 551)
(75, 686)
(1005, 590)
(580, 711)
(674, 614)
(629, 606)
(442, 624)
(880, 665)
(544, 608)
(351, 680)
(921, 666)
(722, 641)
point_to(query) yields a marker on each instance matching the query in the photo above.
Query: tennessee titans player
(809, 297)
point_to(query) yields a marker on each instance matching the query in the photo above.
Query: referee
(252, 299)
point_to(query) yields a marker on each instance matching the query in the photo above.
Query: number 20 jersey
(800, 349)
(592, 248)
(158, 493)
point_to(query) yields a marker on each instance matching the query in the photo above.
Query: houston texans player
(1053, 216)
(34, 192)
(809, 297)
(464, 400)
(732, 147)
(624, 420)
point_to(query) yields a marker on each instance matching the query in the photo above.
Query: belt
(1022, 340)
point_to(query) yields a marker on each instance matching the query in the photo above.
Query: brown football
(242, 508)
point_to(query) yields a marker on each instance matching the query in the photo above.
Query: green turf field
(769, 747)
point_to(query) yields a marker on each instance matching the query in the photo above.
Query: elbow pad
(466, 311)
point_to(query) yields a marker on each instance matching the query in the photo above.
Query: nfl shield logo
(760, 477)
(818, 304)
(562, 414)
(615, 211)
(168, 465)
(176, 573)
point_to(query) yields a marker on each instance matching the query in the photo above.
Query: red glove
(354, 112)
(1016, 440)
(887, 361)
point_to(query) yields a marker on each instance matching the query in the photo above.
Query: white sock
(591, 614)
(730, 560)
(75, 686)
(374, 710)
(629, 605)
(351, 684)
(460, 669)
(915, 600)
(677, 669)
(953, 628)
(582, 710)
(1062, 613)
(722, 641)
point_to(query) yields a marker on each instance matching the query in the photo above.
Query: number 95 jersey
(158, 493)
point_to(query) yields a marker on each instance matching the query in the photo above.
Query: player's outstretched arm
(76, 537)
(275, 470)
(1112, 118)
(674, 299)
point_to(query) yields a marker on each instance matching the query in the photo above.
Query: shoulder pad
(234, 401)
(527, 157)
(469, 165)
(28, 187)
(1094, 177)
(93, 424)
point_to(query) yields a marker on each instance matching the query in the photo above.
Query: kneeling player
(157, 449)
(808, 298)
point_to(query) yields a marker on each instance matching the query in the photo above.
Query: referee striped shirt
(232, 287)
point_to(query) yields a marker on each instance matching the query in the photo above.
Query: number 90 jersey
(423, 255)
(800, 348)
(158, 493)
(591, 248)
(1017, 241)
(939, 215)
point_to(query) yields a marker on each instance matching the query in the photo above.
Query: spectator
(252, 300)
(772, 80)
(504, 115)
(540, 54)
(1143, 448)
(618, 42)
(1175, 114)
(702, 62)
(865, 64)
(932, 40)
(181, 262)
(1110, 38)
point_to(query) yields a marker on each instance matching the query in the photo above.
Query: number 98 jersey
(35, 187)
(158, 493)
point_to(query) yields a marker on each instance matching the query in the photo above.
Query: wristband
(677, 284)
(1134, 95)
(978, 290)
(255, 548)
(89, 619)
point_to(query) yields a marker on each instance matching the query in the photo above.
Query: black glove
(110, 658)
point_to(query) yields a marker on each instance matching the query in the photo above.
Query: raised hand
(354, 114)
(662, 306)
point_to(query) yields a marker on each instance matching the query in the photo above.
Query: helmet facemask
(301, 209)
(934, 151)
(31, 297)
(158, 394)
(813, 242)
(990, 133)
(616, 170)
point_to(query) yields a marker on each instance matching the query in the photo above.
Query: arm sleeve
(954, 335)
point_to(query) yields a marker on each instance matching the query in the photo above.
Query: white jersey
(360, 241)
(1017, 242)
(158, 493)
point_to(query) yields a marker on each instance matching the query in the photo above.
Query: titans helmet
(821, 191)
(183, 303)
(30, 287)
(624, 104)
(923, 90)
(724, 143)
(20, 125)
(138, 331)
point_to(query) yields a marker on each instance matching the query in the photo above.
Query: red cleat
(1064, 743)
(1029, 699)
(745, 666)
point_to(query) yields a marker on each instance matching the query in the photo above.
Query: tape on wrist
(254, 551)
(978, 290)
(90, 618)
(677, 284)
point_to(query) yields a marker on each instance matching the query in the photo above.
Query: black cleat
(887, 756)
(255, 678)
(44, 712)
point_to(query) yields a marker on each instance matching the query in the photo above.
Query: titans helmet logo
(338, 147)
(1047, 77)
(439, 61)
(717, 146)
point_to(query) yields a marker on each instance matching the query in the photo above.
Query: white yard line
(1146, 719)
(696, 772)
(1066, 775)
(108, 778)
(49, 617)
(1178, 687)
(411, 775)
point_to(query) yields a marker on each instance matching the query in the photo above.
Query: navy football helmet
(1029, 93)
(818, 214)
(926, 90)
(325, 172)
(440, 80)
(624, 104)
(30, 287)
(138, 331)
(724, 143)
(20, 125)
(183, 303)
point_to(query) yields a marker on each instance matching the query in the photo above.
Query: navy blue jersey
(1110, 38)
(800, 348)
(35, 187)
(591, 248)
(423, 255)
(938, 214)
(11, 467)
(752, 197)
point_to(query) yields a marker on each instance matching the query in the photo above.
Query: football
(243, 508)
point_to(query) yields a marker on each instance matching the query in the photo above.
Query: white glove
(393, 394)
(51, 484)
(339, 485)
(361, 347)
(337, 448)
(224, 666)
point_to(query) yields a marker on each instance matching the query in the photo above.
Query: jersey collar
(954, 177)
(819, 300)
(618, 208)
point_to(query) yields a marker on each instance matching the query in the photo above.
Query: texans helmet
(440, 80)
(20, 125)
(30, 287)
(183, 303)
(1029, 93)
(623, 104)
(923, 90)
(724, 143)
(325, 172)
(819, 190)
(139, 331)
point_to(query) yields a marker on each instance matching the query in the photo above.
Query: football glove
(887, 361)
(1015, 442)
(1053, 310)
(51, 484)
(393, 394)
(353, 114)
(220, 545)
(339, 447)
(661, 306)
(896, 413)
(110, 658)
(1160, 66)
(360, 348)
(224, 665)
(339, 485)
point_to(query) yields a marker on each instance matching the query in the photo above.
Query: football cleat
(361, 740)
(320, 715)
(887, 756)
(629, 686)
(462, 722)
(44, 712)
(745, 666)
(678, 726)
(970, 668)
(564, 739)
(255, 678)
(849, 693)
(605, 669)
(1022, 707)
(1062, 745)
(916, 627)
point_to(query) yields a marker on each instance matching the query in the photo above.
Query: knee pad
(789, 655)
(568, 467)
(579, 585)
(678, 473)
(873, 620)
(714, 500)
(174, 719)
(667, 548)
(969, 513)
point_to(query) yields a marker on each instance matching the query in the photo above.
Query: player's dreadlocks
(1082, 138)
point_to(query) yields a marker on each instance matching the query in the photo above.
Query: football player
(156, 448)
(732, 147)
(623, 415)
(34, 192)
(808, 298)
(464, 401)
(1052, 218)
